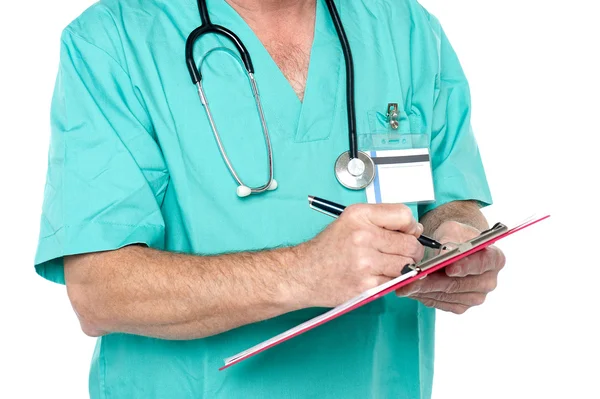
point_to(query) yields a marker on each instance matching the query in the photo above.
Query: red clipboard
(410, 274)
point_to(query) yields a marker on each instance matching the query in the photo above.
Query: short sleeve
(106, 174)
(458, 172)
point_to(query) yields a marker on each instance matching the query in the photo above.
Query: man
(173, 272)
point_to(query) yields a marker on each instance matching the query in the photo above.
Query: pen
(334, 210)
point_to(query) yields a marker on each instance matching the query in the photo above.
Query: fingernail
(421, 228)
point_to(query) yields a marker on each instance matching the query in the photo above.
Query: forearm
(147, 292)
(466, 212)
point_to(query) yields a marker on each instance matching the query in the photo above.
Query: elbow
(90, 331)
(85, 301)
(84, 306)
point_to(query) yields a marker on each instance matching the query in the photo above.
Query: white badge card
(402, 176)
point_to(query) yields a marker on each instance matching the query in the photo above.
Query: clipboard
(410, 273)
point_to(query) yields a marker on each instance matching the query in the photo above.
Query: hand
(463, 284)
(367, 246)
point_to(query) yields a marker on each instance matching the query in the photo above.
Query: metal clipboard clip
(452, 249)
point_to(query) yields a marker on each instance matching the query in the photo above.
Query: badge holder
(403, 168)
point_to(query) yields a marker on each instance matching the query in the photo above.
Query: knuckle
(407, 217)
(501, 259)
(369, 283)
(403, 214)
(478, 299)
(410, 248)
(417, 251)
(355, 210)
(360, 238)
(481, 266)
(364, 262)
(459, 309)
(430, 303)
(416, 287)
(439, 296)
(404, 210)
(490, 284)
(454, 285)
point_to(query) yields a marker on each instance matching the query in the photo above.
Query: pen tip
(310, 199)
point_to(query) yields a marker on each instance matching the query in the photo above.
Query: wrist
(294, 287)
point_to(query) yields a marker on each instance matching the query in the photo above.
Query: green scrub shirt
(133, 160)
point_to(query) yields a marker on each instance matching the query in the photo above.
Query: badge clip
(393, 115)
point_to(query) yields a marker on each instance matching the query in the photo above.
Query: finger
(397, 217)
(446, 307)
(435, 282)
(391, 265)
(466, 299)
(491, 258)
(394, 243)
(374, 281)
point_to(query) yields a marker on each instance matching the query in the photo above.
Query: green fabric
(133, 160)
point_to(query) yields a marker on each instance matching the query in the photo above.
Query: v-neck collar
(307, 120)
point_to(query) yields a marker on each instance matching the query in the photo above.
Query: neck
(263, 10)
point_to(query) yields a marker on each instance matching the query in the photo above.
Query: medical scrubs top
(133, 160)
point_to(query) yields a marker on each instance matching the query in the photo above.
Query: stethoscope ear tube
(195, 74)
(203, 10)
(335, 16)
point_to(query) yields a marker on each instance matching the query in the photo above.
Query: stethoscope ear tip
(243, 191)
(273, 185)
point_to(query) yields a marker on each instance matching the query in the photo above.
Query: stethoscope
(353, 169)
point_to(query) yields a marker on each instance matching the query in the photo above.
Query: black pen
(334, 210)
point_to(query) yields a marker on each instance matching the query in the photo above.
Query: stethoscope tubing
(196, 75)
(193, 70)
(207, 27)
(350, 103)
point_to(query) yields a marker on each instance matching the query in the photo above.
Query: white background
(534, 71)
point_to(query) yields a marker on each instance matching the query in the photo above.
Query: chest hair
(293, 60)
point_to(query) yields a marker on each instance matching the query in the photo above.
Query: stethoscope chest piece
(356, 173)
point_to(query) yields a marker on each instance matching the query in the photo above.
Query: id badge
(401, 176)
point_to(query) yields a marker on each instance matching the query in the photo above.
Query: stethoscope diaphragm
(356, 173)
